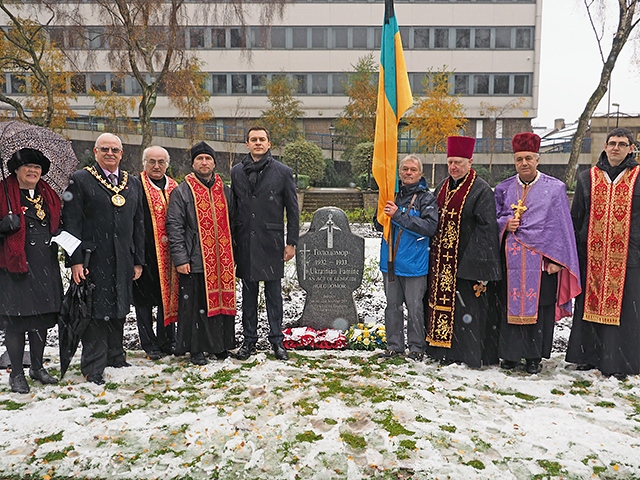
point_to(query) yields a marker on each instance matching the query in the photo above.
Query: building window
(359, 37)
(503, 38)
(76, 37)
(79, 83)
(238, 39)
(258, 84)
(196, 38)
(218, 84)
(299, 37)
(238, 83)
(521, 85)
(319, 38)
(99, 82)
(278, 37)
(405, 34)
(18, 84)
(56, 36)
(136, 89)
(501, 84)
(499, 128)
(319, 84)
(218, 38)
(339, 81)
(259, 36)
(117, 84)
(440, 38)
(481, 84)
(340, 37)
(420, 38)
(479, 128)
(377, 37)
(523, 38)
(461, 84)
(463, 37)
(482, 38)
(97, 38)
(301, 84)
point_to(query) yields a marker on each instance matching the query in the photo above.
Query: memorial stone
(330, 262)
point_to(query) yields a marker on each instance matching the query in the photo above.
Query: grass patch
(477, 464)
(111, 386)
(420, 418)
(335, 387)
(356, 442)
(330, 421)
(113, 415)
(56, 437)
(308, 436)
(391, 425)
(605, 404)
(449, 428)
(520, 395)
(57, 454)
(222, 376)
(409, 444)
(480, 445)
(553, 469)
(11, 405)
(555, 391)
(306, 407)
(377, 395)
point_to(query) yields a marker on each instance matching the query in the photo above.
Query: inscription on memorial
(330, 262)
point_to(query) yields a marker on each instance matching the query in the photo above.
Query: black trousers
(102, 346)
(164, 337)
(273, 297)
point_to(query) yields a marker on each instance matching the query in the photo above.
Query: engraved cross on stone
(330, 226)
(304, 252)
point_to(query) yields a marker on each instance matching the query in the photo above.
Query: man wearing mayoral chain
(104, 210)
(464, 258)
(606, 217)
(539, 255)
(158, 285)
(200, 240)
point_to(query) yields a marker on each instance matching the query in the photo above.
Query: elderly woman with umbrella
(30, 282)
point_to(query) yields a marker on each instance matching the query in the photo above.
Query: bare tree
(495, 113)
(628, 18)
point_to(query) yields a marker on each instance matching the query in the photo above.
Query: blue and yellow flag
(394, 98)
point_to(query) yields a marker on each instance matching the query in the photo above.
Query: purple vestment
(545, 232)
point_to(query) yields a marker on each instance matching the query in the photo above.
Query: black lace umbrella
(16, 135)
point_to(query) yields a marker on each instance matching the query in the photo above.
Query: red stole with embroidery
(608, 244)
(167, 274)
(215, 241)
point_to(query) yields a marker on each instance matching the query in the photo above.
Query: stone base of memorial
(330, 262)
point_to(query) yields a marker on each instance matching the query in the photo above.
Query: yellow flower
(366, 341)
(365, 333)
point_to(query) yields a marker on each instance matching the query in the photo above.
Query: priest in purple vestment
(540, 258)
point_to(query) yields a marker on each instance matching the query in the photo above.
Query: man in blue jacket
(414, 219)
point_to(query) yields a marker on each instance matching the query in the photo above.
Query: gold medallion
(118, 200)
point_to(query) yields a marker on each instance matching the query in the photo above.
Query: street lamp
(617, 105)
(331, 132)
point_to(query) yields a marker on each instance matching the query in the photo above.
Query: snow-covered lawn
(322, 415)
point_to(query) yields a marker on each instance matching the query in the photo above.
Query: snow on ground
(323, 414)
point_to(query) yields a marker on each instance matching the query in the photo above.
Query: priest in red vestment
(539, 258)
(606, 217)
(200, 241)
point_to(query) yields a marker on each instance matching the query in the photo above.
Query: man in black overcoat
(104, 210)
(263, 189)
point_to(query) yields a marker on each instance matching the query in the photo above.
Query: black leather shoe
(585, 367)
(246, 350)
(389, 354)
(280, 352)
(416, 356)
(509, 364)
(121, 365)
(96, 378)
(532, 366)
(199, 359)
(19, 384)
(156, 355)
(219, 355)
(42, 376)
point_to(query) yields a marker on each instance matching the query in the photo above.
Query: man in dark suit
(104, 210)
(263, 189)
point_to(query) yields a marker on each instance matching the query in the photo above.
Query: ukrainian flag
(394, 98)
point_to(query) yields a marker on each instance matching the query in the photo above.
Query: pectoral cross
(518, 209)
(330, 227)
(304, 252)
(480, 287)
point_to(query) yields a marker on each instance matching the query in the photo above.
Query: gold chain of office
(117, 199)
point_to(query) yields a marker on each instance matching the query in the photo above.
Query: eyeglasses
(115, 150)
(618, 144)
(160, 163)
